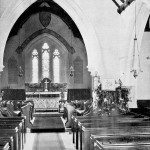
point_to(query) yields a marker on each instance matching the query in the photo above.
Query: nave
(107, 128)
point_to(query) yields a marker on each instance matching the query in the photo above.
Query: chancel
(74, 74)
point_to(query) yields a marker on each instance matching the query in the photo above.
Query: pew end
(27, 112)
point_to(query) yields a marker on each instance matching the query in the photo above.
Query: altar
(45, 95)
(44, 100)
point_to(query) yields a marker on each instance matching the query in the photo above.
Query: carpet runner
(49, 141)
(45, 122)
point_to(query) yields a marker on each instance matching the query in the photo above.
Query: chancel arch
(46, 53)
(59, 37)
(71, 8)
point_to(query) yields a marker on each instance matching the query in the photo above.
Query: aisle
(49, 141)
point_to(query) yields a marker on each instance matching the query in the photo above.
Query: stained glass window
(56, 65)
(45, 60)
(35, 69)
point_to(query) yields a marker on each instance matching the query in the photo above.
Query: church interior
(74, 75)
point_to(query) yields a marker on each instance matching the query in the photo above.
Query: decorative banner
(45, 18)
(108, 84)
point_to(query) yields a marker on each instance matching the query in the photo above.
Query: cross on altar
(46, 85)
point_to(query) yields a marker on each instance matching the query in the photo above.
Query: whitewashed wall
(143, 81)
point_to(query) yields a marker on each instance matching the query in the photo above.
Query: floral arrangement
(54, 87)
(112, 100)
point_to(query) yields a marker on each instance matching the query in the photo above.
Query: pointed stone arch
(43, 31)
(81, 20)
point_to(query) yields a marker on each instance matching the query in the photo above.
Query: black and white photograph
(74, 74)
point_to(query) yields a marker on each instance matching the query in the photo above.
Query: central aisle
(49, 141)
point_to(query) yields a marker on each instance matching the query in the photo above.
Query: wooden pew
(4, 128)
(121, 142)
(11, 132)
(8, 139)
(76, 119)
(84, 135)
(4, 145)
(8, 120)
(97, 123)
(13, 125)
(97, 133)
(16, 119)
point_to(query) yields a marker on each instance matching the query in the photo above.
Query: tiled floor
(49, 141)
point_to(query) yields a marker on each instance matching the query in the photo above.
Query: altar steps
(46, 110)
(47, 122)
(49, 114)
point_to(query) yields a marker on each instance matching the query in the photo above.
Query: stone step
(47, 114)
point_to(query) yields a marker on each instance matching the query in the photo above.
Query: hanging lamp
(136, 66)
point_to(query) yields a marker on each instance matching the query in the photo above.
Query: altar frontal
(46, 95)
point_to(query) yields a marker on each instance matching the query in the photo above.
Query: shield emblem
(45, 18)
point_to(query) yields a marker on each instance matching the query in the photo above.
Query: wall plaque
(45, 18)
